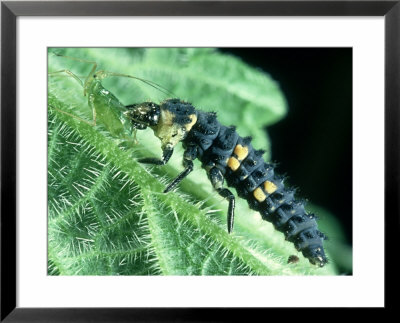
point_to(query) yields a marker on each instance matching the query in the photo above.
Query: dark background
(313, 143)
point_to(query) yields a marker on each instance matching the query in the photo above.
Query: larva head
(143, 115)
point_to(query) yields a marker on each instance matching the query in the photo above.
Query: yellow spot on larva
(269, 187)
(189, 126)
(241, 152)
(259, 194)
(233, 163)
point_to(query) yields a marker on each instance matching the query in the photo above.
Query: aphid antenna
(150, 83)
(78, 76)
(106, 73)
(77, 59)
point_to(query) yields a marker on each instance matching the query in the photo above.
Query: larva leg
(217, 180)
(167, 153)
(189, 155)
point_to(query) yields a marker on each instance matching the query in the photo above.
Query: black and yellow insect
(227, 156)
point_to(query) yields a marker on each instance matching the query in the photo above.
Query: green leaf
(107, 212)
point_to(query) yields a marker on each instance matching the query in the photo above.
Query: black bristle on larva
(260, 152)
(247, 140)
(181, 110)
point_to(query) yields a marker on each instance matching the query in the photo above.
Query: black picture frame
(10, 10)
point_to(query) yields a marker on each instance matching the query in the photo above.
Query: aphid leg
(167, 153)
(93, 123)
(80, 60)
(217, 179)
(189, 155)
(68, 72)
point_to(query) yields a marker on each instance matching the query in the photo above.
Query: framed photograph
(113, 214)
(182, 163)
